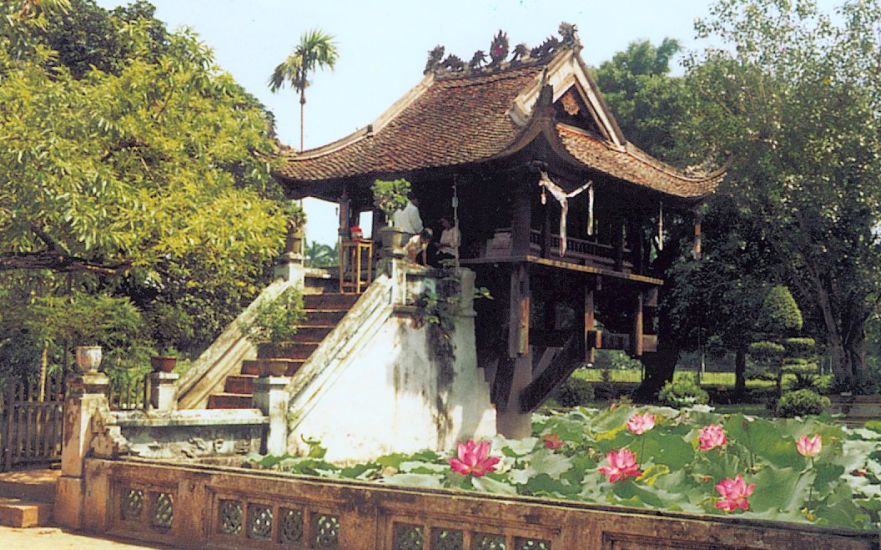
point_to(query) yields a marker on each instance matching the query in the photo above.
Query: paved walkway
(53, 538)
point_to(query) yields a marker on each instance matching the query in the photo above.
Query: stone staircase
(27, 497)
(325, 306)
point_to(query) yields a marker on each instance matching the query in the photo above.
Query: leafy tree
(793, 98)
(321, 255)
(148, 179)
(316, 50)
(648, 103)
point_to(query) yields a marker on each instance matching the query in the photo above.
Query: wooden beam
(549, 262)
(589, 322)
(555, 374)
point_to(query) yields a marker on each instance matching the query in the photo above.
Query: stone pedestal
(86, 398)
(163, 391)
(272, 398)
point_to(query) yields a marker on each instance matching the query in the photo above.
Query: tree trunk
(740, 372)
(659, 369)
(302, 111)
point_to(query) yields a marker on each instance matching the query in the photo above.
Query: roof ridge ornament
(499, 48)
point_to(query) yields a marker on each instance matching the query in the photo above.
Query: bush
(574, 392)
(390, 196)
(802, 403)
(683, 393)
(766, 352)
(277, 320)
(779, 313)
(800, 348)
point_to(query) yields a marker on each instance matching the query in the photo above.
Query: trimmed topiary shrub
(802, 403)
(799, 348)
(575, 392)
(779, 313)
(683, 393)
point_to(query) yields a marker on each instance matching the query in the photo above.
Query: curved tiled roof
(453, 121)
(635, 165)
(464, 118)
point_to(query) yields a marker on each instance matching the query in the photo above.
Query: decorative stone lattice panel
(326, 531)
(290, 529)
(259, 522)
(132, 504)
(230, 519)
(162, 511)
(408, 537)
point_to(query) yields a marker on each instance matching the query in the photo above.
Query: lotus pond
(798, 470)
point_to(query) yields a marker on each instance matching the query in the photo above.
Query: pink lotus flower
(553, 441)
(809, 446)
(474, 459)
(711, 436)
(734, 494)
(622, 464)
(641, 423)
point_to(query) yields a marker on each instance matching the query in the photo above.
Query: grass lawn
(707, 379)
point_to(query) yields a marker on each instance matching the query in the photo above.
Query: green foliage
(83, 319)
(766, 352)
(135, 166)
(779, 314)
(321, 255)
(802, 402)
(799, 348)
(676, 475)
(277, 320)
(791, 95)
(615, 359)
(646, 100)
(390, 196)
(683, 393)
(574, 392)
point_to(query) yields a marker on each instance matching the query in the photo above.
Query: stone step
(37, 484)
(331, 300)
(295, 350)
(240, 384)
(324, 316)
(18, 512)
(230, 401)
(253, 367)
(312, 333)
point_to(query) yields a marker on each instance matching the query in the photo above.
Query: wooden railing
(31, 421)
(214, 507)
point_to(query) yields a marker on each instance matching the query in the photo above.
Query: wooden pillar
(546, 234)
(634, 234)
(520, 218)
(344, 206)
(518, 325)
(590, 336)
(636, 335)
(618, 243)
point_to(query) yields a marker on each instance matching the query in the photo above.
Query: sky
(383, 46)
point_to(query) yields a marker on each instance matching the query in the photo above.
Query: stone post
(86, 398)
(290, 265)
(272, 398)
(163, 391)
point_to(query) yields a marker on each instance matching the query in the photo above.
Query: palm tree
(316, 50)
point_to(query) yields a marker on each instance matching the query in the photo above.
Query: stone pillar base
(272, 398)
(163, 391)
(69, 494)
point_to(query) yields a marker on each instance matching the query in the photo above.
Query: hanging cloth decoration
(659, 239)
(563, 198)
(590, 210)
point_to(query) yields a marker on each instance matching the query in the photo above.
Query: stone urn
(163, 363)
(88, 358)
(392, 241)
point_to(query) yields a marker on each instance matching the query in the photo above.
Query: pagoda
(559, 214)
